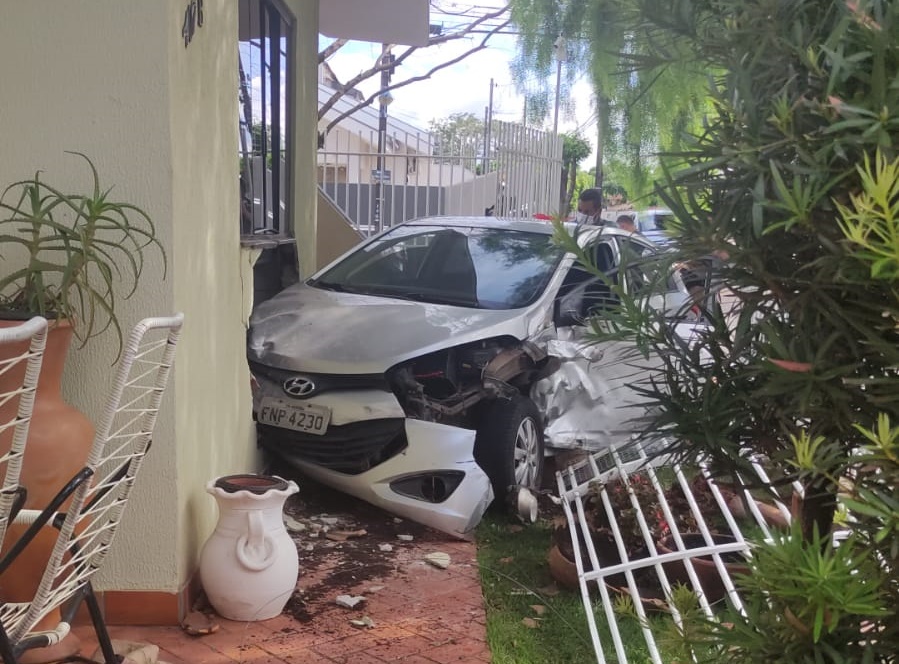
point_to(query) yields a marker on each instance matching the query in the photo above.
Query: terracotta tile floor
(421, 614)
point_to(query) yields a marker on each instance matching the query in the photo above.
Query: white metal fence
(414, 175)
(615, 576)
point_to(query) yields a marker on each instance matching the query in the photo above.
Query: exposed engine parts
(444, 386)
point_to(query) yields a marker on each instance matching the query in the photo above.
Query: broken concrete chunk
(364, 622)
(438, 559)
(310, 547)
(293, 525)
(349, 601)
(329, 520)
(396, 519)
(386, 548)
(373, 589)
(351, 534)
(405, 538)
(197, 623)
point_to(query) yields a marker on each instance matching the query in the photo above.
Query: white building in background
(350, 151)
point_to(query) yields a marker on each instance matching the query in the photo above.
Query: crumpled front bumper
(431, 448)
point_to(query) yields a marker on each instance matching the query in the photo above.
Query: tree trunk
(817, 509)
(572, 182)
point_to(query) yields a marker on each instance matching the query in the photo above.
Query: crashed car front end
(429, 370)
(403, 439)
(420, 470)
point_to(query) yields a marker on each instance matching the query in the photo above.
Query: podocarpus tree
(806, 362)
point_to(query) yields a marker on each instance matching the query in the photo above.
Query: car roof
(527, 225)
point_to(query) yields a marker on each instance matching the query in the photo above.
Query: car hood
(321, 331)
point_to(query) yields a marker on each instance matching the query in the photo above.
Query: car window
(582, 293)
(641, 271)
(489, 268)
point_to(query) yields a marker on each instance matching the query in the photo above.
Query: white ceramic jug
(249, 565)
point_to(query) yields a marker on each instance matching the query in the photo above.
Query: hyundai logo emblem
(299, 386)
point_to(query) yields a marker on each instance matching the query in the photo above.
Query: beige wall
(214, 415)
(113, 79)
(305, 144)
(160, 121)
(101, 88)
(336, 234)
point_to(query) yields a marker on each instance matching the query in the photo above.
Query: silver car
(433, 366)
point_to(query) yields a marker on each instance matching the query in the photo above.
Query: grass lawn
(515, 576)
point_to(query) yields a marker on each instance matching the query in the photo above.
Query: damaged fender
(587, 402)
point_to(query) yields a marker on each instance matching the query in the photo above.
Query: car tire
(509, 444)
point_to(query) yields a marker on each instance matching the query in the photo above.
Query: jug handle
(255, 544)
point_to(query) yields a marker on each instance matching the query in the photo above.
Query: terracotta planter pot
(59, 439)
(706, 571)
(563, 569)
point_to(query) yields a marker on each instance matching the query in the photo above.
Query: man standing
(626, 222)
(589, 207)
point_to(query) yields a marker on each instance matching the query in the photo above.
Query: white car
(432, 366)
(651, 223)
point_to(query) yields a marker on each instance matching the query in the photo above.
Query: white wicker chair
(26, 344)
(98, 496)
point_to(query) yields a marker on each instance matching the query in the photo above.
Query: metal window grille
(266, 48)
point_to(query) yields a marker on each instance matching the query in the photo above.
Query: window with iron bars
(266, 57)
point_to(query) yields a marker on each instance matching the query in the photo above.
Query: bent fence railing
(622, 577)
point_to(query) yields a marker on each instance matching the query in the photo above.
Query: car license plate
(307, 418)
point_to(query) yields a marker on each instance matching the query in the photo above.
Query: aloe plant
(82, 252)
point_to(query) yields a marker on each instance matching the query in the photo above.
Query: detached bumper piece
(433, 479)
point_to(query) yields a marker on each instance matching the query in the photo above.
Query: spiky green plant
(82, 252)
(793, 183)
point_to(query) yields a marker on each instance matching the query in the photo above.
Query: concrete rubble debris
(294, 525)
(405, 538)
(438, 559)
(364, 622)
(349, 601)
(344, 535)
(386, 548)
(329, 520)
(197, 623)
(132, 652)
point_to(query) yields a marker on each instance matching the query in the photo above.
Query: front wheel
(509, 444)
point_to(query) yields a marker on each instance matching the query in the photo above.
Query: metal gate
(516, 176)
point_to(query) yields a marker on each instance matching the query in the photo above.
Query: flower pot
(563, 569)
(249, 565)
(706, 571)
(59, 439)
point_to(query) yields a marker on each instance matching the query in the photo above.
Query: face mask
(582, 218)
